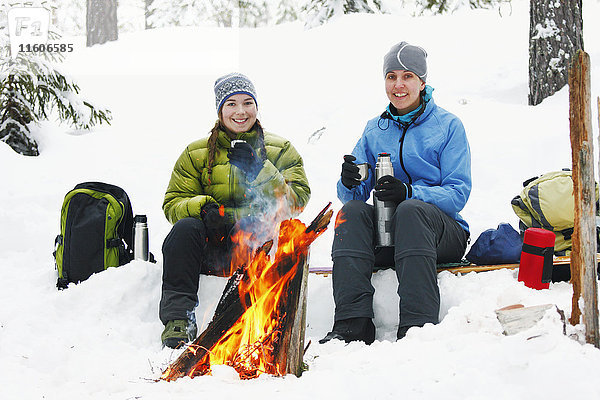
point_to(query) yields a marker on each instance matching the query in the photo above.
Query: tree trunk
(101, 21)
(147, 13)
(555, 35)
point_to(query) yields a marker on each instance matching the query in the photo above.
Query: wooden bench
(561, 268)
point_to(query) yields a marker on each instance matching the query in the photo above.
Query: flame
(222, 210)
(340, 218)
(251, 344)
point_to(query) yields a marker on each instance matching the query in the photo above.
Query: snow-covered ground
(101, 339)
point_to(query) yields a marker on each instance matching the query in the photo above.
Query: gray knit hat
(230, 84)
(406, 57)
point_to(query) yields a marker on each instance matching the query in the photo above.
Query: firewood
(321, 220)
(228, 311)
(296, 349)
(517, 318)
(291, 347)
(286, 341)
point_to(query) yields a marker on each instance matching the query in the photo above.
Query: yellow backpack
(547, 202)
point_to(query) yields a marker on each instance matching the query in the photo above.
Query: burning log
(258, 325)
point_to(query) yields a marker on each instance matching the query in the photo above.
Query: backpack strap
(546, 252)
(57, 241)
(61, 283)
(518, 202)
(528, 181)
(534, 196)
(125, 253)
(110, 243)
(567, 233)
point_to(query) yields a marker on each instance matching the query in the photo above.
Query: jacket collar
(224, 139)
(415, 117)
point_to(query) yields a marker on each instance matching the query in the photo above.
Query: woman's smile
(239, 113)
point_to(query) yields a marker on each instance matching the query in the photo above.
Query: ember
(258, 326)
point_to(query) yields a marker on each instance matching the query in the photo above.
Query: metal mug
(233, 142)
(363, 171)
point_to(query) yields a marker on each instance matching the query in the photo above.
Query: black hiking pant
(186, 254)
(423, 236)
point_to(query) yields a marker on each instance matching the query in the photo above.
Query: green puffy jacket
(191, 186)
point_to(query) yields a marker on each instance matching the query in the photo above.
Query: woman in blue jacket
(431, 184)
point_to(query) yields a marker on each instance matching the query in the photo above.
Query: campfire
(258, 325)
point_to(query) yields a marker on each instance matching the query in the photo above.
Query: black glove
(215, 223)
(389, 188)
(243, 156)
(350, 175)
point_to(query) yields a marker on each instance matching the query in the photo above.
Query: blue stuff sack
(496, 246)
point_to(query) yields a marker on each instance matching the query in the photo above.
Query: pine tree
(31, 88)
(131, 16)
(287, 11)
(69, 17)
(224, 13)
(164, 13)
(253, 14)
(450, 6)
(320, 11)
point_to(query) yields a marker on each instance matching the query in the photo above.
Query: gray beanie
(230, 84)
(406, 57)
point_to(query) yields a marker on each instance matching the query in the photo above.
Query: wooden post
(583, 256)
(599, 119)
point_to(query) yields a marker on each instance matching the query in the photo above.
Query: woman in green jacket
(238, 177)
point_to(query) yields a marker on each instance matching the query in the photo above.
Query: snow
(549, 30)
(101, 339)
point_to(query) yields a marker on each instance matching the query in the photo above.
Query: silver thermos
(140, 238)
(384, 210)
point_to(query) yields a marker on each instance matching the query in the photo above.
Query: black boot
(402, 330)
(350, 330)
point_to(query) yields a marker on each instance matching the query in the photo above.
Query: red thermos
(535, 267)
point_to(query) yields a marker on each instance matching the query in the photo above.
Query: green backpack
(547, 202)
(96, 232)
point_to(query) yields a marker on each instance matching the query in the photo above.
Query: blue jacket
(434, 152)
